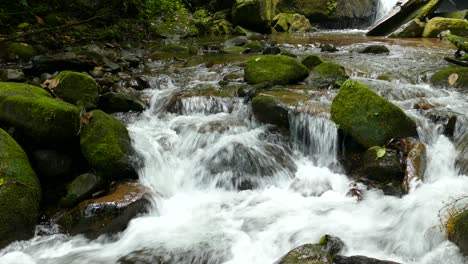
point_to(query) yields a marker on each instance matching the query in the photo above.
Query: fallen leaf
(39, 20)
(51, 84)
(381, 152)
(452, 79)
(86, 117)
(257, 59)
(98, 68)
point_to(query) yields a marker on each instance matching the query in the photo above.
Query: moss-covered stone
(254, 46)
(36, 115)
(20, 51)
(320, 253)
(276, 69)
(428, 9)
(180, 25)
(461, 14)
(412, 29)
(457, 230)
(120, 102)
(439, 24)
(367, 117)
(106, 145)
(78, 89)
(254, 14)
(272, 107)
(312, 60)
(286, 22)
(441, 78)
(81, 188)
(460, 42)
(20, 192)
(327, 74)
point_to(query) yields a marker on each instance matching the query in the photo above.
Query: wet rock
(254, 14)
(461, 145)
(328, 48)
(272, 50)
(96, 74)
(276, 69)
(359, 260)
(416, 161)
(286, 22)
(236, 42)
(457, 227)
(447, 119)
(312, 60)
(209, 100)
(381, 170)
(17, 51)
(51, 164)
(423, 106)
(20, 192)
(11, 75)
(139, 83)
(437, 25)
(78, 89)
(253, 47)
(143, 256)
(327, 75)
(81, 188)
(120, 102)
(375, 49)
(107, 214)
(321, 253)
(441, 78)
(61, 62)
(412, 29)
(106, 145)
(368, 118)
(36, 116)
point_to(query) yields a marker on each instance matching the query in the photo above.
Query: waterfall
(384, 7)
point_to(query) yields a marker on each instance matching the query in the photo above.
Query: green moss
(428, 9)
(441, 78)
(77, 88)
(285, 22)
(254, 46)
(106, 145)
(20, 192)
(32, 112)
(460, 42)
(370, 119)
(439, 24)
(312, 60)
(176, 49)
(458, 230)
(20, 51)
(276, 69)
(328, 74)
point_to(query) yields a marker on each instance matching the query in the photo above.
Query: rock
(51, 165)
(234, 50)
(375, 49)
(276, 69)
(327, 75)
(460, 14)
(81, 188)
(328, 48)
(423, 106)
(256, 15)
(208, 100)
(107, 214)
(11, 75)
(461, 145)
(437, 25)
(381, 170)
(142, 256)
(457, 227)
(416, 161)
(413, 29)
(139, 83)
(428, 9)
(272, 107)
(18, 51)
(321, 253)
(37, 116)
(272, 50)
(20, 192)
(106, 145)
(78, 89)
(368, 118)
(285, 22)
(96, 74)
(178, 26)
(61, 62)
(312, 60)
(441, 78)
(447, 119)
(120, 102)
(253, 47)
(236, 41)
(359, 260)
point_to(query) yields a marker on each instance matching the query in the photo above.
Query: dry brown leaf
(39, 20)
(51, 84)
(98, 68)
(86, 117)
(452, 79)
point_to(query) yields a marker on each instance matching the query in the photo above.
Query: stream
(197, 158)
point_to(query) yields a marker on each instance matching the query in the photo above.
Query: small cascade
(315, 137)
(384, 7)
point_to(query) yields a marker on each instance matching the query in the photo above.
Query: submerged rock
(20, 192)
(368, 118)
(107, 214)
(275, 69)
(459, 74)
(327, 75)
(78, 89)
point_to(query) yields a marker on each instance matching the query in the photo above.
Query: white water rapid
(385, 6)
(292, 190)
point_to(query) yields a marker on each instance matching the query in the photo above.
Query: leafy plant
(379, 151)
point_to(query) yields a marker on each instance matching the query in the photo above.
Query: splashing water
(385, 6)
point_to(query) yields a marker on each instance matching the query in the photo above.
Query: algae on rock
(275, 69)
(77, 88)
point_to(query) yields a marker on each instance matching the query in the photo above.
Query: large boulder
(437, 25)
(37, 116)
(78, 89)
(367, 117)
(286, 22)
(327, 75)
(254, 14)
(441, 78)
(413, 29)
(107, 214)
(275, 69)
(381, 169)
(107, 147)
(457, 230)
(20, 192)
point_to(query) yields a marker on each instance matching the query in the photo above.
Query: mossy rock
(34, 114)
(254, 46)
(20, 192)
(272, 107)
(286, 22)
(78, 89)
(381, 169)
(312, 60)
(120, 102)
(462, 14)
(320, 253)
(457, 230)
(413, 29)
(106, 145)
(441, 78)
(437, 25)
(254, 14)
(19, 51)
(81, 188)
(327, 75)
(221, 27)
(368, 118)
(180, 25)
(276, 69)
(317, 9)
(428, 9)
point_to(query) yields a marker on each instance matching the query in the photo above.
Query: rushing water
(197, 158)
(385, 6)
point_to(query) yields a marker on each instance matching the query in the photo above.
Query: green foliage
(379, 151)
(160, 7)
